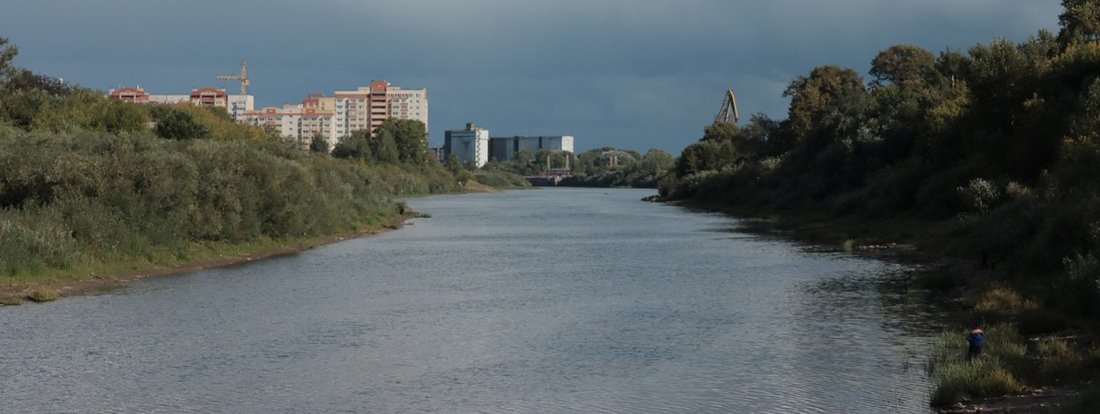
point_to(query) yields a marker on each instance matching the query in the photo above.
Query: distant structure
(331, 117)
(133, 94)
(437, 153)
(243, 77)
(506, 148)
(728, 114)
(297, 122)
(471, 145)
(236, 105)
(345, 112)
(366, 107)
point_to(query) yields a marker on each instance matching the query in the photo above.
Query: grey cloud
(625, 73)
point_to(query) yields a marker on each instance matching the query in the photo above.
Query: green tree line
(1003, 140)
(993, 151)
(599, 167)
(87, 181)
(612, 167)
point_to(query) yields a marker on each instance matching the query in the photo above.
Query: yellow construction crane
(728, 113)
(243, 77)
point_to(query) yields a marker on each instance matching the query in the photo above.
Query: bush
(979, 195)
(177, 123)
(43, 295)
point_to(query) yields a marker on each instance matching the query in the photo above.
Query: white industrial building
(471, 145)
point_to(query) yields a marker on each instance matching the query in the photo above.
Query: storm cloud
(624, 73)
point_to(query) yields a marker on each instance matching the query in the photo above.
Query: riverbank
(203, 256)
(1052, 356)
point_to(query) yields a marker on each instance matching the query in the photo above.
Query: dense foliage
(600, 167)
(611, 167)
(88, 180)
(1001, 142)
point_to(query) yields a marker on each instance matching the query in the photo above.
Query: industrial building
(506, 148)
(471, 145)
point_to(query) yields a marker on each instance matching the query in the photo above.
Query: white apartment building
(471, 145)
(352, 111)
(296, 122)
(367, 107)
(408, 104)
(237, 105)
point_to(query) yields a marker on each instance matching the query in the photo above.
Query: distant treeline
(600, 167)
(1001, 143)
(87, 181)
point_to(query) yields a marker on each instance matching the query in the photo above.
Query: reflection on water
(560, 300)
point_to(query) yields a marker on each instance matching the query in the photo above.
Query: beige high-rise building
(368, 106)
(408, 104)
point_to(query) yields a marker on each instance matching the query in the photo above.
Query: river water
(557, 300)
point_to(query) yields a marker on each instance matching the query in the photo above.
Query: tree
(902, 64)
(177, 123)
(656, 163)
(410, 139)
(523, 160)
(453, 164)
(7, 54)
(355, 146)
(318, 144)
(1080, 21)
(384, 147)
(830, 100)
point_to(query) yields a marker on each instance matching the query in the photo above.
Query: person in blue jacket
(976, 338)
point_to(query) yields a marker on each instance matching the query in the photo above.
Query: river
(555, 300)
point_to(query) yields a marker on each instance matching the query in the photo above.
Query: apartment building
(408, 104)
(297, 122)
(236, 105)
(366, 107)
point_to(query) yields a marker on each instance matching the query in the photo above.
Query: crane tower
(728, 114)
(243, 77)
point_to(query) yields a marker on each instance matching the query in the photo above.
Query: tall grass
(958, 378)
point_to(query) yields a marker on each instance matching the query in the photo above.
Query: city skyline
(614, 73)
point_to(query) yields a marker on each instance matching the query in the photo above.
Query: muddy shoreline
(99, 283)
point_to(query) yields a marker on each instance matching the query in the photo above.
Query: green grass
(983, 377)
(43, 295)
(990, 375)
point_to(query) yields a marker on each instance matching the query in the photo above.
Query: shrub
(979, 195)
(177, 123)
(43, 295)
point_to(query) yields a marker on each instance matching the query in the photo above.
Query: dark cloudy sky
(627, 73)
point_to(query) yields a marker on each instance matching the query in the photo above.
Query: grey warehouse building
(506, 148)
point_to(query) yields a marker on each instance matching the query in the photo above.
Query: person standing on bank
(976, 338)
